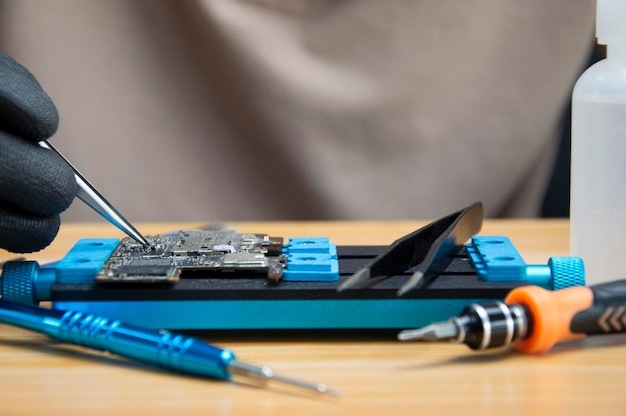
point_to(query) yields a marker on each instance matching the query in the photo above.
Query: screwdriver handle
(607, 313)
(165, 349)
(550, 314)
(570, 313)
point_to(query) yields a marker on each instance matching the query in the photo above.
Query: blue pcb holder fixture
(307, 297)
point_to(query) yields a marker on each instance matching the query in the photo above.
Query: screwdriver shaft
(162, 348)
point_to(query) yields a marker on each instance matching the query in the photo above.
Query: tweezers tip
(358, 277)
(415, 279)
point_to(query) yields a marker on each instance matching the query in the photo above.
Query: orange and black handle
(533, 319)
(554, 316)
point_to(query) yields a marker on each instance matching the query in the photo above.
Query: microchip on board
(196, 252)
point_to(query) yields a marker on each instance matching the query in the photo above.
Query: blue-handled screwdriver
(161, 348)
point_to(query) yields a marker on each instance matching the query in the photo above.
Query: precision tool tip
(359, 277)
(265, 373)
(416, 278)
(443, 331)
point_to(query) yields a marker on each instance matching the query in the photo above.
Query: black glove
(35, 184)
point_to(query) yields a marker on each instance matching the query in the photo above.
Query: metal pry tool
(90, 196)
(430, 248)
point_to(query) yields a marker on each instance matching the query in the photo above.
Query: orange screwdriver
(533, 319)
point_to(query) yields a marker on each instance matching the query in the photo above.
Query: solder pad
(194, 251)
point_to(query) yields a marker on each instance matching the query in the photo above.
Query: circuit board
(223, 252)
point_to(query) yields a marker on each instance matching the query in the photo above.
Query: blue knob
(26, 282)
(567, 272)
(18, 281)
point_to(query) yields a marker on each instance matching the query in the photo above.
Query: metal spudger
(90, 196)
(430, 249)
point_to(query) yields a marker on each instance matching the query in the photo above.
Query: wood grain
(376, 374)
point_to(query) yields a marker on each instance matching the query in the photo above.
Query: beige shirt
(195, 110)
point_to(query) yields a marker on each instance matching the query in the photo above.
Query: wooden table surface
(375, 375)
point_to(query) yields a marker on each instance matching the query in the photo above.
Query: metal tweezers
(431, 249)
(87, 193)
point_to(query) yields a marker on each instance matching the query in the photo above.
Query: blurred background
(199, 110)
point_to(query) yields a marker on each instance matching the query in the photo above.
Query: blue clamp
(311, 260)
(29, 283)
(84, 260)
(497, 260)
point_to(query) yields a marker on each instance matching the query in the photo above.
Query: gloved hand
(35, 184)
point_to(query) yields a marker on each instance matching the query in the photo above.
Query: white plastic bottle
(598, 181)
